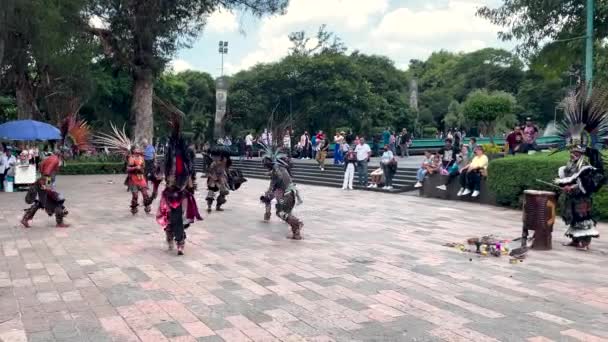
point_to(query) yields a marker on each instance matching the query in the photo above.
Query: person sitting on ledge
(426, 167)
(470, 175)
(376, 178)
(462, 161)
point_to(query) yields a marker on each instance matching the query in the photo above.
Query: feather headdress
(273, 155)
(75, 132)
(586, 119)
(117, 141)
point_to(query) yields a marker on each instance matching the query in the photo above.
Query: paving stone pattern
(371, 267)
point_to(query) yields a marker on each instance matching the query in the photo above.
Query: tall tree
(142, 35)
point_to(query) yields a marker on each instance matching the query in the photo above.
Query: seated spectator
(470, 175)
(462, 160)
(448, 154)
(427, 164)
(388, 163)
(377, 178)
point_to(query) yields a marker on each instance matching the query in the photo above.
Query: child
(423, 170)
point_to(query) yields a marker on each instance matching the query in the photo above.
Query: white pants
(349, 175)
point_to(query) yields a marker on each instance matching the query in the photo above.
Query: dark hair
(474, 140)
(448, 140)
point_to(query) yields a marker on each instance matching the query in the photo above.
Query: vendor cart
(25, 175)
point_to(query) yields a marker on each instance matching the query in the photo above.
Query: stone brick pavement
(371, 268)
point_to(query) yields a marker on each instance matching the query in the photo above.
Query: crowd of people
(467, 162)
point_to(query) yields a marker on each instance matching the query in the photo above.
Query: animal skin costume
(42, 196)
(282, 189)
(583, 175)
(217, 177)
(136, 180)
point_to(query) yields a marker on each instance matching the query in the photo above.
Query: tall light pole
(589, 45)
(223, 50)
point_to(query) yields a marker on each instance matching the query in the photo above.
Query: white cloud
(179, 65)
(222, 21)
(345, 15)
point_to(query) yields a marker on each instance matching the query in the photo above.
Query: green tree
(44, 56)
(455, 117)
(483, 109)
(143, 35)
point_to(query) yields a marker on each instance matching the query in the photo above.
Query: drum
(539, 216)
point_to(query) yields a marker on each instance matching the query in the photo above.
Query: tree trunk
(141, 107)
(26, 102)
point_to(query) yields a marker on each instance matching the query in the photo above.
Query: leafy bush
(509, 177)
(492, 149)
(92, 168)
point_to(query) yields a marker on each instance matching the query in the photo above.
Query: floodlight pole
(589, 45)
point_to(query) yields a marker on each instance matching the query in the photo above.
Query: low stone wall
(429, 189)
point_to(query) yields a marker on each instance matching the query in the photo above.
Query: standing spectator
(322, 154)
(249, 146)
(404, 143)
(470, 176)
(471, 148)
(242, 148)
(393, 143)
(314, 146)
(287, 143)
(386, 137)
(364, 152)
(457, 138)
(350, 161)
(350, 137)
(227, 141)
(305, 145)
(530, 135)
(427, 167)
(338, 141)
(10, 163)
(357, 141)
(149, 157)
(448, 154)
(389, 167)
(266, 137)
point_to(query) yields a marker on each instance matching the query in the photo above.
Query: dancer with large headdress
(585, 123)
(136, 182)
(217, 177)
(177, 209)
(282, 189)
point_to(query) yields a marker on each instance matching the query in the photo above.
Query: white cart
(25, 175)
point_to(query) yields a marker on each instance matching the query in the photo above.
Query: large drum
(539, 216)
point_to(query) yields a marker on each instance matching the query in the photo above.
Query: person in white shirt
(364, 152)
(387, 162)
(249, 146)
(287, 143)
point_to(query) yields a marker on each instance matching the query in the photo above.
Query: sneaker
(390, 188)
(418, 185)
(374, 186)
(350, 188)
(466, 192)
(370, 186)
(475, 193)
(385, 188)
(442, 187)
(460, 192)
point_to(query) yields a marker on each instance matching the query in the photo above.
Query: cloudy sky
(400, 29)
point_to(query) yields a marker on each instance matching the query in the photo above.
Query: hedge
(509, 177)
(96, 168)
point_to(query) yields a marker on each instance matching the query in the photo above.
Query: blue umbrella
(28, 130)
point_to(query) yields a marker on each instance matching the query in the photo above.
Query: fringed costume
(177, 209)
(42, 196)
(217, 177)
(583, 175)
(136, 180)
(282, 189)
(118, 142)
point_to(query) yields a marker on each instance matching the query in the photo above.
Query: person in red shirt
(513, 140)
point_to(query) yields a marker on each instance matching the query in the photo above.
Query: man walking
(149, 157)
(364, 152)
(249, 146)
(404, 143)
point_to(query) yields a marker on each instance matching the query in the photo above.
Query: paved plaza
(371, 267)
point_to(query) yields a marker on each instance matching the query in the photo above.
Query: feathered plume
(586, 114)
(117, 141)
(75, 131)
(175, 116)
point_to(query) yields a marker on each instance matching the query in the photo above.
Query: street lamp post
(223, 50)
(589, 45)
